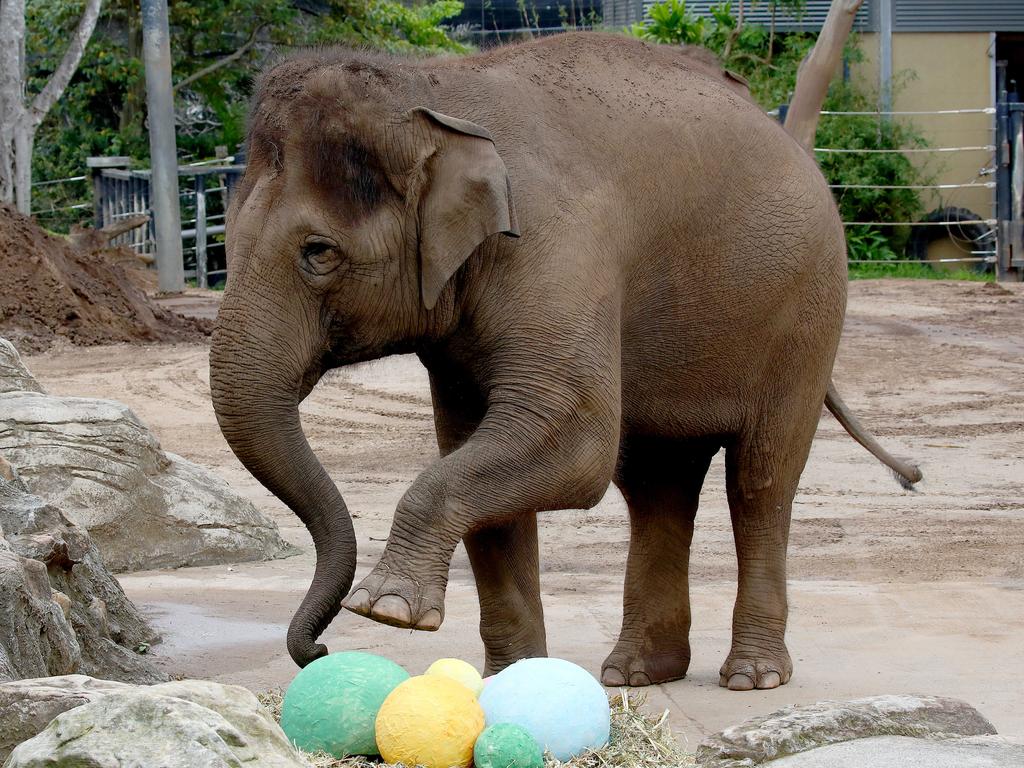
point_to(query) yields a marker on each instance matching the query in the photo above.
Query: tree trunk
(23, 141)
(19, 119)
(12, 99)
(817, 71)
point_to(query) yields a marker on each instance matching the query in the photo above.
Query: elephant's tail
(906, 473)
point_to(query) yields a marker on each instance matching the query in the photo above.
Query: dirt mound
(51, 290)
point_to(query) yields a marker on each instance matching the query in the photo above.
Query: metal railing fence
(205, 190)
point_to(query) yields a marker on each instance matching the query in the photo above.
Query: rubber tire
(969, 227)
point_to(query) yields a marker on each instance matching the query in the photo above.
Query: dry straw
(638, 740)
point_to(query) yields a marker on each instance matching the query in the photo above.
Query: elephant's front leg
(552, 445)
(506, 566)
(505, 557)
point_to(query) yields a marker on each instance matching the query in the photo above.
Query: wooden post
(96, 166)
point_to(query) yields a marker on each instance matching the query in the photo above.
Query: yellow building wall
(943, 70)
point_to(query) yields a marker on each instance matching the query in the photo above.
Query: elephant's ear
(466, 199)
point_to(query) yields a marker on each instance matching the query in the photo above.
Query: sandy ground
(890, 591)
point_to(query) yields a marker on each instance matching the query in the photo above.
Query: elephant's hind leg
(661, 483)
(762, 472)
(506, 567)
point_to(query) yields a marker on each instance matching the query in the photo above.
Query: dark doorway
(1010, 48)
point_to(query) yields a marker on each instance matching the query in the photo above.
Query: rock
(61, 610)
(14, 376)
(240, 708)
(907, 752)
(189, 724)
(64, 602)
(798, 729)
(28, 706)
(35, 638)
(144, 508)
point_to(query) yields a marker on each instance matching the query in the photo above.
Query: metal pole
(200, 231)
(885, 55)
(156, 53)
(1016, 142)
(1003, 202)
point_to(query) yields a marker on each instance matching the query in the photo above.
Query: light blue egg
(562, 706)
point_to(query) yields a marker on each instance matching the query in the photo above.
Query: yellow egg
(431, 721)
(459, 671)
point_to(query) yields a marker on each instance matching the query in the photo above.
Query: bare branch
(817, 70)
(220, 62)
(59, 80)
(88, 239)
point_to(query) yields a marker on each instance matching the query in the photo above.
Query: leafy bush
(671, 21)
(770, 62)
(868, 243)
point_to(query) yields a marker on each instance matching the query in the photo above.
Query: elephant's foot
(389, 597)
(498, 655)
(655, 664)
(747, 669)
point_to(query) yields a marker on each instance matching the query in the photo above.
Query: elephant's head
(353, 216)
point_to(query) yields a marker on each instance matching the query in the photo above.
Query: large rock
(28, 706)
(14, 376)
(905, 752)
(143, 507)
(798, 729)
(188, 724)
(61, 611)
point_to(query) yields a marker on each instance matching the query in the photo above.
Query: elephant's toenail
(612, 677)
(429, 621)
(392, 609)
(740, 682)
(358, 602)
(769, 680)
(639, 679)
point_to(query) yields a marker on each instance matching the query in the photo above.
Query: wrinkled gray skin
(611, 263)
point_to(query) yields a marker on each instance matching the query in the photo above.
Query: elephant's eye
(320, 256)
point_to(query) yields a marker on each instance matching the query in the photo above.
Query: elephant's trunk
(257, 382)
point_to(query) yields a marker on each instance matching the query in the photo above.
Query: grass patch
(638, 740)
(880, 269)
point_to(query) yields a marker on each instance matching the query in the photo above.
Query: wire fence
(973, 233)
(956, 219)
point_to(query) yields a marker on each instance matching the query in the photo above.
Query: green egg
(505, 745)
(332, 703)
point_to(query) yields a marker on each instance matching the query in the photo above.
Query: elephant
(612, 264)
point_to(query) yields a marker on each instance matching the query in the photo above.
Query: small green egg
(505, 745)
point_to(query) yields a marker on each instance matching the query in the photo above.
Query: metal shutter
(958, 15)
(811, 20)
(617, 14)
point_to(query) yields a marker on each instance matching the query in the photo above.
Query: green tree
(24, 105)
(217, 46)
